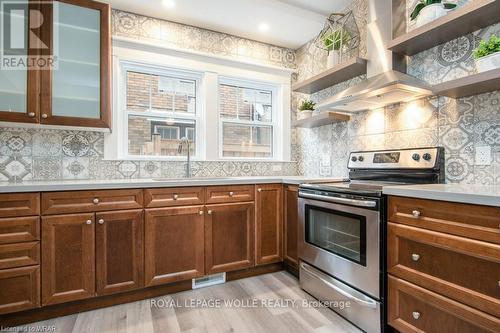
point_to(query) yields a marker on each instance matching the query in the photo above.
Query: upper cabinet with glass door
(75, 89)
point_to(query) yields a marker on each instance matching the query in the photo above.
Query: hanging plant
(424, 3)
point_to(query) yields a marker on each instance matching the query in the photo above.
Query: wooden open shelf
(339, 73)
(469, 85)
(471, 17)
(324, 118)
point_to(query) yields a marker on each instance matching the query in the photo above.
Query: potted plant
(426, 11)
(306, 109)
(487, 54)
(334, 42)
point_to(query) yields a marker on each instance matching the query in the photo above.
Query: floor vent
(209, 280)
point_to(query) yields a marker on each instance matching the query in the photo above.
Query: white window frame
(274, 124)
(146, 68)
(176, 128)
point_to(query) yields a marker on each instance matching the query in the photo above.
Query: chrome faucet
(185, 142)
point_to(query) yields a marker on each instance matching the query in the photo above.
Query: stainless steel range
(342, 228)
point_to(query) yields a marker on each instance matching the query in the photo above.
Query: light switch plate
(483, 155)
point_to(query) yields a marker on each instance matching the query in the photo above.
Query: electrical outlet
(483, 155)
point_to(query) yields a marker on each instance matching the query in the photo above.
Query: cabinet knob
(415, 314)
(101, 221)
(209, 212)
(44, 116)
(31, 114)
(200, 212)
(259, 190)
(416, 213)
(88, 222)
(176, 197)
(95, 201)
(231, 194)
(415, 257)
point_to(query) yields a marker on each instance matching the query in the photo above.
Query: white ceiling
(291, 22)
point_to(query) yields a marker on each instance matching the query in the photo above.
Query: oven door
(342, 240)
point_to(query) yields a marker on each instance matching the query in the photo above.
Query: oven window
(340, 233)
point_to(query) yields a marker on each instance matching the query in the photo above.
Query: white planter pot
(304, 114)
(430, 13)
(488, 63)
(333, 58)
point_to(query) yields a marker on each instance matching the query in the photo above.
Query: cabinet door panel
(291, 225)
(19, 204)
(174, 248)
(19, 254)
(269, 225)
(119, 251)
(229, 237)
(19, 289)
(68, 258)
(19, 229)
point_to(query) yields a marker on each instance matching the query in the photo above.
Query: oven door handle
(353, 202)
(369, 304)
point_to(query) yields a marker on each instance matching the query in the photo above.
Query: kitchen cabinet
(291, 225)
(19, 289)
(68, 257)
(174, 244)
(119, 251)
(229, 237)
(76, 90)
(443, 266)
(268, 224)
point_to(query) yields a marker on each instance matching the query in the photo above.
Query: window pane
(149, 92)
(158, 137)
(245, 103)
(247, 140)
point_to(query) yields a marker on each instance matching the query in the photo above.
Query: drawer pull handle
(95, 201)
(259, 190)
(176, 197)
(101, 221)
(416, 213)
(88, 222)
(415, 257)
(231, 194)
(416, 314)
(209, 212)
(200, 212)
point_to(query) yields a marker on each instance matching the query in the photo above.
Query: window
(246, 113)
(160, 106)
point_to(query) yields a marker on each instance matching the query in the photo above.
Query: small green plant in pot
(487, 54)
(333, 43)
(426, 11)
(306, 109)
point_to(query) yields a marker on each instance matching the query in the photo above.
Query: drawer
(471, 221)
(167, 197)
(90, 201)
(415, 309)
(19, 289)
(463, 269)
(223, 194)
(20, 254)
(19, 229)
(19, 204)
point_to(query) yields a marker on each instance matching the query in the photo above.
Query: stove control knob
(361, 158)
(427, 156)
(416, 157)
(354, 158)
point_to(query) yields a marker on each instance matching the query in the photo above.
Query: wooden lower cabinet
(415, 309)
(174, 244)
(19, 289)
(291, 225)
(119, 251)
(229, 237)
(68, 258)
(268, 224)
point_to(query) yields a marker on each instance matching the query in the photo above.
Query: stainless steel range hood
(384, 85)
(378, 91)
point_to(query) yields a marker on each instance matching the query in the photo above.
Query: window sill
(183, 159)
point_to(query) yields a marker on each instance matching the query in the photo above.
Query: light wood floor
(142, 317)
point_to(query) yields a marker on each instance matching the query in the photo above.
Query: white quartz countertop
(67, 185)
(488, 195)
